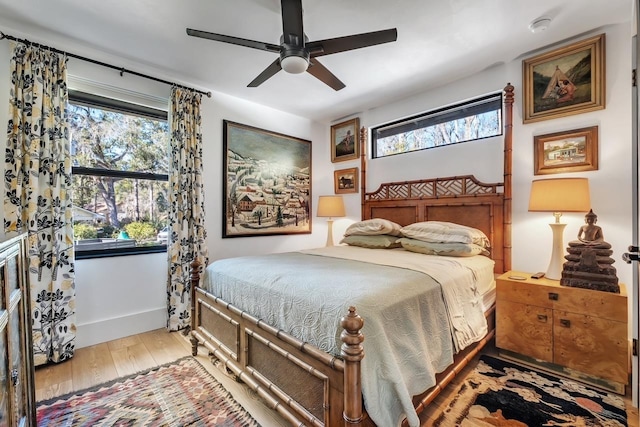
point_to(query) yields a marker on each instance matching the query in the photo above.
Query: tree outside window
(120, 173)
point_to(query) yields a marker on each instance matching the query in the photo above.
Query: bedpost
(363, 169)
(352, 353)
(508, 148)
(195, 282)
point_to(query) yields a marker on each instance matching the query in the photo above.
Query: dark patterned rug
(499, 393)
(181, 393)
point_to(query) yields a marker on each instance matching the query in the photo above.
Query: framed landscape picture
(267, 182)
(570, 151)
(345, 181)
(565, 81)
(344, 141)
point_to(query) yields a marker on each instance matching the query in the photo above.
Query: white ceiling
(438, 41)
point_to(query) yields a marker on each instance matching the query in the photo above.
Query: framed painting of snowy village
(267, 182)
(344, 141)
(565, 81)
(571, 151)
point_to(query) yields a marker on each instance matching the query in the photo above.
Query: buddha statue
(589, 262)
(590, 234)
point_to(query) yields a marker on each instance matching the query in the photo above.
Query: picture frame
(569, 151)
(568, 80)
(266, 182)
(345, 181)
(344, 141)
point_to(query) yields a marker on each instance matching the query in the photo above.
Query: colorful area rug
(499, 393)
(181, 393)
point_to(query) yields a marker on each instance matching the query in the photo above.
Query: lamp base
(329, 232)
(554, 271)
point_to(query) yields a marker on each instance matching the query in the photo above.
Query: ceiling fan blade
(356, 41)
(292, 30)
(317, 70)
(233, 40)
(266, 74)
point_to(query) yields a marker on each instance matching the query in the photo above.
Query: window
(476, 119)
(119, 176)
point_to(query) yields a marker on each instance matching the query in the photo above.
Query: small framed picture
(345, 181)
(568, 80)
(571, 151)
(344, 141)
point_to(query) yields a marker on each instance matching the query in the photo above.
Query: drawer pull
(565, 322)
(553, 296)
(542, 317)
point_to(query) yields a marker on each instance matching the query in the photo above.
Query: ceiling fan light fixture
(294, 64)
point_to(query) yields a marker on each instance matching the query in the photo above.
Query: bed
(317, 380)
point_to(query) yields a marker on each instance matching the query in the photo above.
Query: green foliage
(141, 230)
(108, 231)
(84, 231)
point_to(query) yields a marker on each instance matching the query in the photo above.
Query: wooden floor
(104, 362)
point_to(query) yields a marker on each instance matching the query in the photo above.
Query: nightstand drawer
(525, 329)
(591, 344)
(523, 292)
(606, 305)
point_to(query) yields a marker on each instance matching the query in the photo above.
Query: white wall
(610, 185)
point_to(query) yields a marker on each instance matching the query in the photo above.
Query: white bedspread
(412, 305)
(461, 295)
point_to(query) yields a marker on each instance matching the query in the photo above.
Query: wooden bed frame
(309, 387)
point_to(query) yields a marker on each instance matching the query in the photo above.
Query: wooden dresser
(17, 402)
(578, 332)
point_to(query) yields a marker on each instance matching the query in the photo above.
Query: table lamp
(330, 207)
(559, 195)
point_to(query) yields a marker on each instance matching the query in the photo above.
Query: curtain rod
(104, 64)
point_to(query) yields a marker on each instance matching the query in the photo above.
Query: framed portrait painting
(571, 151)
(345, 181)
(344, 141)
(267, 182)
(565, 81)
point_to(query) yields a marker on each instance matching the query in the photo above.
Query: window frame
(96, 101)
(460, 110)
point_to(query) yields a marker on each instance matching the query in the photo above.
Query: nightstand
(581, 333)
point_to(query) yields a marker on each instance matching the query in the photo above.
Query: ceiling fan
(297, 54)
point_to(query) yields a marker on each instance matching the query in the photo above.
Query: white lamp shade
(294, 64)
(560, 195)
(331, 206)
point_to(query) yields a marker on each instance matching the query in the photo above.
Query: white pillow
(378, 241)
(372, 227)
(454, 249)
(445, 232)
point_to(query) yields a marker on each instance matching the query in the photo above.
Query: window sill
(106, 253)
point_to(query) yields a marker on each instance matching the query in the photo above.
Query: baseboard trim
(120, 327)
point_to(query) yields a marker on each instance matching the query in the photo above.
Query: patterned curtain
(186, 200)
(37, 194)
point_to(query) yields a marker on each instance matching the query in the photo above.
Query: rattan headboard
(462, 200)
